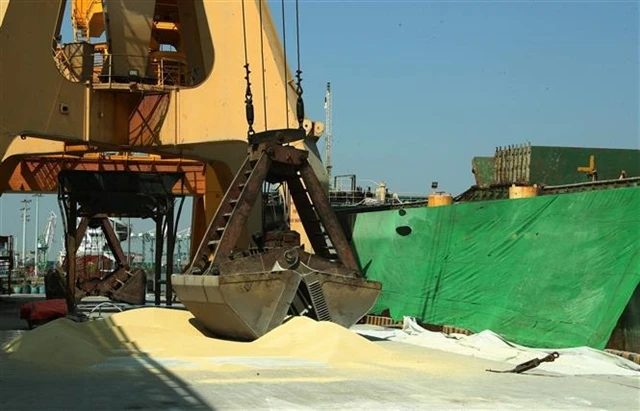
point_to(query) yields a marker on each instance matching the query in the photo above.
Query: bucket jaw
(239, 306)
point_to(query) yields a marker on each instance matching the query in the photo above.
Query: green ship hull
(547, 271)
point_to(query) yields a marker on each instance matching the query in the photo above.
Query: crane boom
(185, 233)
(46, 238)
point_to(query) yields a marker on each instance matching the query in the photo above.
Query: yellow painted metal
(523, 191)
(591, 167)
(87, 17)
(3, 9)
(439, 199)
(39, 102)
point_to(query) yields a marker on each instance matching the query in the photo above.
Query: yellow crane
(171, 80)
(127, 94)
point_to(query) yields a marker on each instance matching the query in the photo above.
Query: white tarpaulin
(490, 346)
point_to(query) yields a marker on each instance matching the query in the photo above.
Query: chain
(248, 96)
(248, 102)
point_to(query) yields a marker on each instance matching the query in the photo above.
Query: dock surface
(438, 379)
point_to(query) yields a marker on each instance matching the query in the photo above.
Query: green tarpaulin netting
(550, 271)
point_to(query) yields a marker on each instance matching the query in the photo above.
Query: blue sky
(419, 88)
(422, 87)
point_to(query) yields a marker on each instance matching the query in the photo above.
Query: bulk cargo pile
(167, 333)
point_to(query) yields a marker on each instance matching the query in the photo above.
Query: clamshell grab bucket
(245, 294)
(247, 306)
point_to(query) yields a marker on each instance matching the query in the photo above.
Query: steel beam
(113, 242)
(238, 219)
(40, 174)
(72, 247)
(171, 241)
(158, 258)
(328, 217)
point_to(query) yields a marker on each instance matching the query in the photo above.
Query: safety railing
(169, 71)
(362, 197)
(81, 62)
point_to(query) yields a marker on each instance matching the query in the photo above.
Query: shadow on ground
(138, 383)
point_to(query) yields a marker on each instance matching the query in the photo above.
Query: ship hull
(547, 271)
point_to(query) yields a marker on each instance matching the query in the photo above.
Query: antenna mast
(328, 132)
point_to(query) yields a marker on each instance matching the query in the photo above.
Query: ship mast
(328, 132)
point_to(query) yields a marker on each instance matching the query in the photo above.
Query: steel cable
(286, 68)
(264, 86)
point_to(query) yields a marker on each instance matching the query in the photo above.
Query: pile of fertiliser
(168, 333)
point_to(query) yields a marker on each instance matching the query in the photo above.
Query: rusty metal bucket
(247, 306)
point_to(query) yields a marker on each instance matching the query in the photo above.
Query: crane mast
(328, 132)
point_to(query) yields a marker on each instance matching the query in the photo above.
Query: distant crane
(327, 132)
(45, 239)
(25, 218)
(182, 236)
(146, 237)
